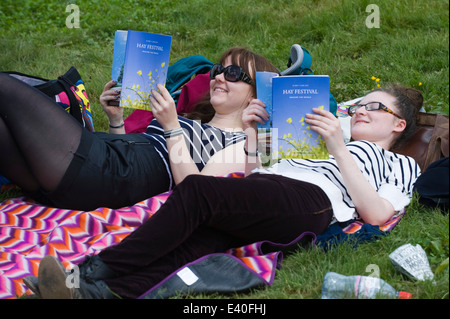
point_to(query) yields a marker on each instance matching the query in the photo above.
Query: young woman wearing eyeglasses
(361, 179)
(60, 164)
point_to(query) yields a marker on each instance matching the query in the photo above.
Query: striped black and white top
(203, 141)
(392, 175)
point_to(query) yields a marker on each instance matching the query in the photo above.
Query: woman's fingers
(109, 85)
(161, 98)
(256, 107)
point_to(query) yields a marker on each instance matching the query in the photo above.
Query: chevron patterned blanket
(29, 231)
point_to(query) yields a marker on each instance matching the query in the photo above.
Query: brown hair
(250, 62)
(409, 103)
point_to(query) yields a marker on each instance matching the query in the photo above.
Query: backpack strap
(67, 81)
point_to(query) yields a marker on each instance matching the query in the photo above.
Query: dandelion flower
(373, 78)
(378, 80)
(420, 83)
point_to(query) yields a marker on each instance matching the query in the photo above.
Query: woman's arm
(114, 113)
(370, 206)
(164, 111)
(251, 146)
(253, 114)
(222, 162)
(228, 160)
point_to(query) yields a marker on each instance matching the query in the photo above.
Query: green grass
(410, 47)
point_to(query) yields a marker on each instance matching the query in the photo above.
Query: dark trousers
(206, 215)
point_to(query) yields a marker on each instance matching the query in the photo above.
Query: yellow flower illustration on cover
(298, 145)
(143, 89)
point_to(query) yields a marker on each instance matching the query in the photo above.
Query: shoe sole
(52, 279)
(28, 281)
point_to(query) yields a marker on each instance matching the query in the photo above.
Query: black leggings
(46, 152)
(34, 153)
(206, 215)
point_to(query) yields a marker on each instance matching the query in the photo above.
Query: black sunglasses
(232, 73)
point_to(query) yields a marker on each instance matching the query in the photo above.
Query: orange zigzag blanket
(29, 231)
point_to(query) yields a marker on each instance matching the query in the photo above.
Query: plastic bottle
(337, 286)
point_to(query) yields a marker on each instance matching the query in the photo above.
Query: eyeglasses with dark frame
(371, 106)
(232, 73)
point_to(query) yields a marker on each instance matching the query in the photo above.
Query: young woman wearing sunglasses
(362, 179)
(60, 164)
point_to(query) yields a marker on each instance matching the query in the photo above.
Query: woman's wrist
(116, 120)
(117, 126)
(248, 153)
(174, 132)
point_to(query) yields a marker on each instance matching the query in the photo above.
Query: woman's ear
(250, 97)
(400, 125)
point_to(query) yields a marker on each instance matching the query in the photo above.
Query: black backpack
(432, 185)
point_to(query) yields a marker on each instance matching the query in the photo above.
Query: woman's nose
(220, 77)
(361, 110)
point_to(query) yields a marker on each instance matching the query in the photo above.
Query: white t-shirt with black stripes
(392, 175)
(202, 140)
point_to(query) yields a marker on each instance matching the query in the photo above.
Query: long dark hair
(249, 62)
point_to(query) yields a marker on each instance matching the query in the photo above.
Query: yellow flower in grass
(377, 81)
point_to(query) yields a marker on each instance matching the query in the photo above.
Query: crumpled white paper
(412, 261)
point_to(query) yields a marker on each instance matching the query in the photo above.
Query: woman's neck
(227, 122)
